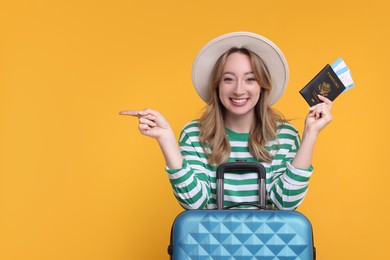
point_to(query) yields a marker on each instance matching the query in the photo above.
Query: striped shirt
(194, 185)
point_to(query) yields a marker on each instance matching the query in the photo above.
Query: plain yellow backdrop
(78, 181)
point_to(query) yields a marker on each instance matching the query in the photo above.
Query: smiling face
(239, 90)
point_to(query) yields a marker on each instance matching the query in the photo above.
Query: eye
(228, 79)
(251, 79)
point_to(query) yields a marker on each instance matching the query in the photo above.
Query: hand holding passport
(330, 82)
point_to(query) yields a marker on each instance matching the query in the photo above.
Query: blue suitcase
(228, 233)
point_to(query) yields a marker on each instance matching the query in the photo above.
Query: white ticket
(344, 74)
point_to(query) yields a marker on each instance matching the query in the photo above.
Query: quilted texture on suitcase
(241, 234)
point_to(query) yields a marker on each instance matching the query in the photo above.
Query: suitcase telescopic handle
(241, 165)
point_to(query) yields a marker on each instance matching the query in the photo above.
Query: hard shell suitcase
(227, 233)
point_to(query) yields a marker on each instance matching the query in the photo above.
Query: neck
(240, 123)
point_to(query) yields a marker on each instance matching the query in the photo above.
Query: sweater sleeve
(289, 184)
(190, 183)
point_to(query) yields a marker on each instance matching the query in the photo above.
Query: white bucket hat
(264, 48)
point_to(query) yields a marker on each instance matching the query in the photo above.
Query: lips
(239, 101)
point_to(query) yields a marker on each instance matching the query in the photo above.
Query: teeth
(239, 100)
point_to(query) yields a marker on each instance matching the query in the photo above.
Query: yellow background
(78, 181)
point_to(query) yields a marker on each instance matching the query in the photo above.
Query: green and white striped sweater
(194, 185)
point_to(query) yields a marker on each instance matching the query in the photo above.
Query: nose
(238, 88)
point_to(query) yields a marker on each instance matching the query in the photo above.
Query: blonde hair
(212, 126)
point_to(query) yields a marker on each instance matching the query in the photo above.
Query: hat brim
(267, 50)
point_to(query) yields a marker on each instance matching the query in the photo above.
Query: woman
(238, 124)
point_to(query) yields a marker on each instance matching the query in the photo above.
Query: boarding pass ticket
(344, 74)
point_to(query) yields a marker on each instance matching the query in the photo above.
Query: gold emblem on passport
(324, 89)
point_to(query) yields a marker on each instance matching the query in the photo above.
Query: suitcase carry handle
(241, 165)
(245, 204)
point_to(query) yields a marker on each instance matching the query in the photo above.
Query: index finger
(326, 100)
(130, 113)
